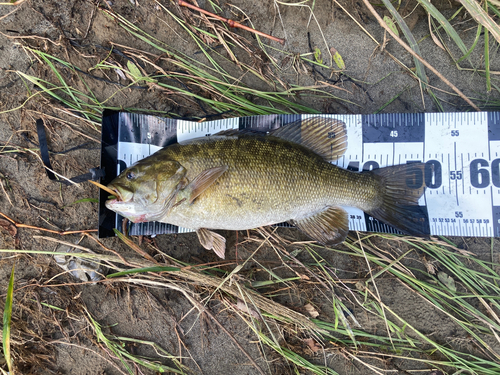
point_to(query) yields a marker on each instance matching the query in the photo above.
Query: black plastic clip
(94, 174)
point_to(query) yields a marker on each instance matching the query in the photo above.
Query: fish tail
(401, 187)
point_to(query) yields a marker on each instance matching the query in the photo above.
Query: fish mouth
(116, 203)
(118, 196)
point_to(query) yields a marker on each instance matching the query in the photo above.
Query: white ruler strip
(461, 152)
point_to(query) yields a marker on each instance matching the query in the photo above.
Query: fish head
(145, 191)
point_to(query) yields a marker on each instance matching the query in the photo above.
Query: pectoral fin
(212, 241)
(330, 227)
(204, 180)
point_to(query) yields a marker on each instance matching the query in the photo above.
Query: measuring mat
(460, 152)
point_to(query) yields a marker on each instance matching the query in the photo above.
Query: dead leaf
(9, 227)
(361, 286)
(120, 73)
(240, 305)
(430, 267)
(337, 58)
(391, 25)
(447, 281)
(12, 229)
(311, 310)
(313, 345)
(434, 38)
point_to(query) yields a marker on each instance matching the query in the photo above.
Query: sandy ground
(61, 342)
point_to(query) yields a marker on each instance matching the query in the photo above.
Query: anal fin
(329, 227)
(212, 241)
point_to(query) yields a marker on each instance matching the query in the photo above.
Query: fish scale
(278, 182)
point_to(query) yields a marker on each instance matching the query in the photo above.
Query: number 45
(393, 133)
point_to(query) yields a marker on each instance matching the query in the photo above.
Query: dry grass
(299, 337)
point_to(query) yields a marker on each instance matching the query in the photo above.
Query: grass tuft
(117, 344)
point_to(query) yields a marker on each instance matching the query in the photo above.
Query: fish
(237, 180)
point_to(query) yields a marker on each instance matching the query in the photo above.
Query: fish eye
(130, 175)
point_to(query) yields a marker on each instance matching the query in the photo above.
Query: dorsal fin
(324, 135)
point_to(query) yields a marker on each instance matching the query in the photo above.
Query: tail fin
(401, 187)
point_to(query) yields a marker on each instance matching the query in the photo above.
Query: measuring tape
(461, 152)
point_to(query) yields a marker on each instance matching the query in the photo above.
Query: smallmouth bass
(242, 180)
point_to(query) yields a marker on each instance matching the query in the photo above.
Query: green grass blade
(295, 358)
(117, 347)
(392, 99)
(420, 69)
(436, 100)
(493, 9)
(142, 270)
(49, 305)
(432, 10)
(93, 200)
(7, 316)
(478, 34)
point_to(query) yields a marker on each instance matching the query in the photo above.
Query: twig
(417, 56)
(106, 189)
(135, 247)
(5, 192)
(65, 122)
(69, 244)
(8, 14)
(231, 23)
(124, 261)
(20, 225)
(90, 23)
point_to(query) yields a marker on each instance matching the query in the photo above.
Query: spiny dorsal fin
(212, 241)
(204, 180)
(329, 227)
(324, 135)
